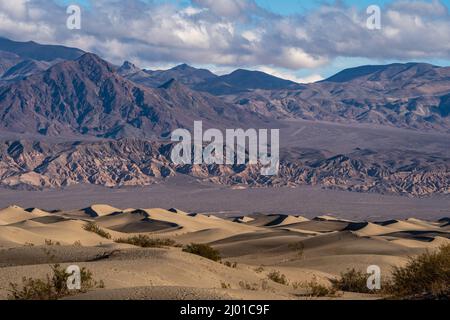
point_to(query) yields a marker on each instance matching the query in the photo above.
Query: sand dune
(137, 221)
(436, 242)
(272, 220)
(329, 218)
(369, 229)
(301, 249)
(15, 236)
(244, 219)
(400, 225)
(196, 223)
(444, 223)
(15, 214)
(65, 232)
(286, 220)
(37, 212)
(320, 226)
(100, 210)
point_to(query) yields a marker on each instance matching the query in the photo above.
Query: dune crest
(100, 210)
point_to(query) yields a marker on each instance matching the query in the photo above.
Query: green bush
(426, 276)
(147, 242)
(52, 287)
(93, 227)
(203, 250)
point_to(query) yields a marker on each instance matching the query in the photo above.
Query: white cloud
(234, 33)
(285, 74)
(297, 58)
(14, 8)
(226, 8)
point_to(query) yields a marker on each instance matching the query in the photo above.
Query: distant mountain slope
(204, 80)
(354, 73)
(36, 51)
(128, 100)
(22, 59)
(397, 78)
(25, 68)
(183, 73)
(412, 95)
(7, 60)
(244, 80)
(88, 97)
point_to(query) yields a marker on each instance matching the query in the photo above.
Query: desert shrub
(316, 289)
(203, 250)
(259, 269)
(424, 276)
(247, 286)
(49, 242)
(225, 285)
(277, 277)
(352, 281)
(296, 285)
(299, 247)
(265, 285)
(50, 253)
(77, 243)
(147, 242)
(93, 227)
(52, 287)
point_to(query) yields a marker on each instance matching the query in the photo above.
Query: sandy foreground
(32, 239)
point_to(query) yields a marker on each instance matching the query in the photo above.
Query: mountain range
(411, 95)
(87, 97)
(137, 162)
(56, 92)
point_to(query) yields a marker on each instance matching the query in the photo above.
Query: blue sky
(302, 6)
(303, 40)
(277, 6)
(284, 7)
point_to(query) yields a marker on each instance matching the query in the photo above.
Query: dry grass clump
(93, 227)
(52, 287)
(147, 242)
(203, 250)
